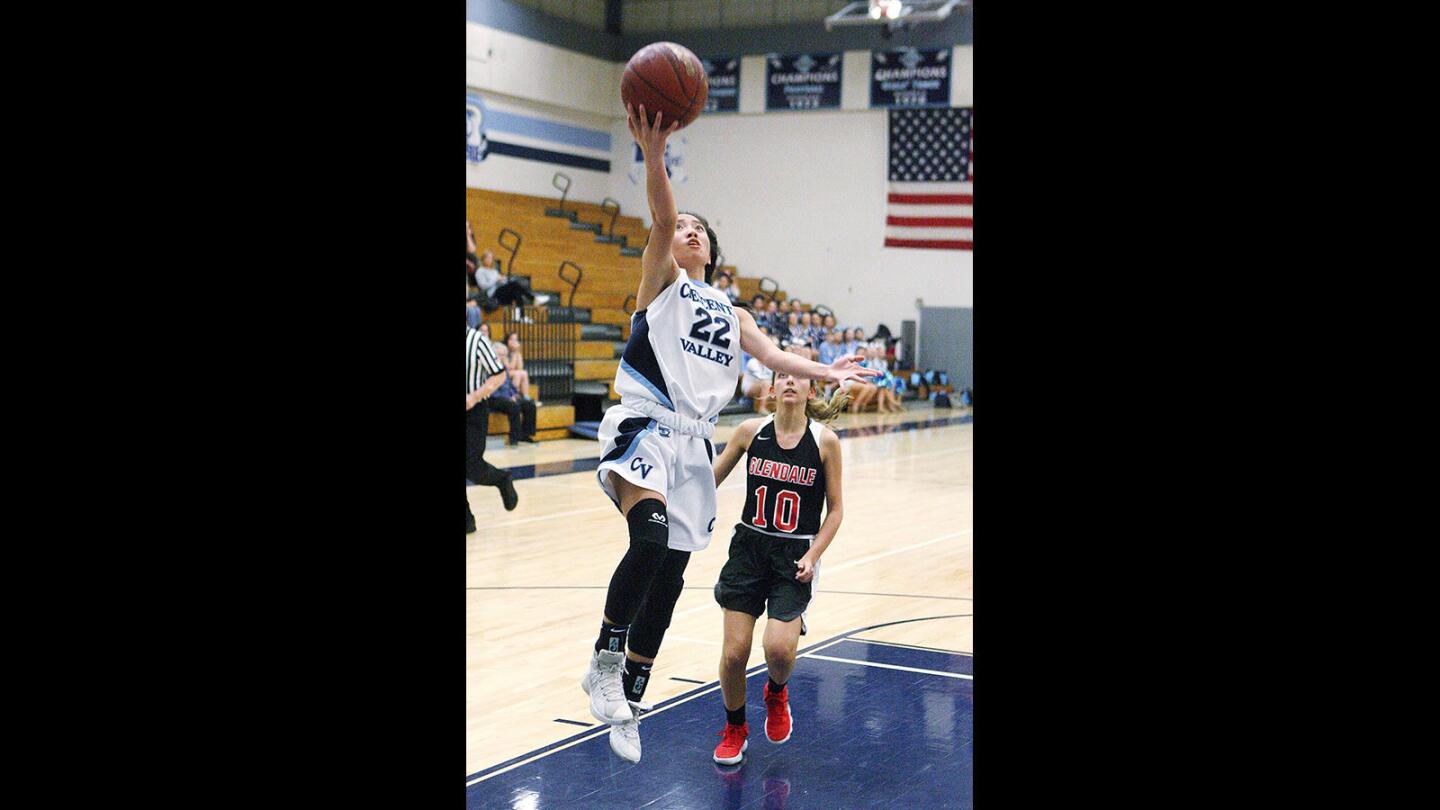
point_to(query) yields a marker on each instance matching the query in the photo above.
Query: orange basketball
(666, 78)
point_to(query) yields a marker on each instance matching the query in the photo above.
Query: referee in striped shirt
(483, 374)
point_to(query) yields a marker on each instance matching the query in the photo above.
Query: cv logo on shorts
(664, 431)
(640, 683)
(656, 517)
(614, 645)
(639, 464)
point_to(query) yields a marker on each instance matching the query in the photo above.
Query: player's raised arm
(735, 448)
(755, 342)
(834, 507)
(657, 264)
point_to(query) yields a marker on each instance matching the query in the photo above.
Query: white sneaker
(625, 737)
(607, 693)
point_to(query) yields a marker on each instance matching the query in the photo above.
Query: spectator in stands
(861, 393)
(888, 401)
(812, 331)
(793, 330)
(514, 404)
(848, 345)
(495, 287)
(773, 318)
(757, 305)
(726, 284)
(831, 348)
(516, 365)
(829, 323)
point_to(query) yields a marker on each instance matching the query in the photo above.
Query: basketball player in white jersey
(791, 479)
(679, 369)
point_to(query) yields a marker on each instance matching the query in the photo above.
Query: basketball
(666, 78)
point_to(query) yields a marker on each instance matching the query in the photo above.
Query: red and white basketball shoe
(733, 743)
(778, 723)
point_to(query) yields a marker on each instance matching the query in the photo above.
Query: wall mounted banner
(807, 81)
(724, 76)
(498, 127)
(910, 77)
(476, 146)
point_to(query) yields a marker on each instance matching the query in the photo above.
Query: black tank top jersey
(784, 489)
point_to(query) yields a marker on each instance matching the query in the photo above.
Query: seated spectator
(757, 306)
(773, 318)
(848, 343)
(500, 291)
(829, 323)
(509, 401)
(812, 331)
(830, 349)
(889, 399)
(726, 284)
(516, 365)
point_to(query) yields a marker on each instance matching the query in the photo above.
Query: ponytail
(825, 412)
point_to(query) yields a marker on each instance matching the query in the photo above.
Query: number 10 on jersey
(787, 509)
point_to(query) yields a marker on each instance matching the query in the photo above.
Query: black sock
(635, 676)
(775, 687)
(612, 637)
(735, 717)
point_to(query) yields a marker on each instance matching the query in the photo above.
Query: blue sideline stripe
(546, 130)
(547, 156)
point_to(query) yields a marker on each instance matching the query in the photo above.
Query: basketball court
(882, 691)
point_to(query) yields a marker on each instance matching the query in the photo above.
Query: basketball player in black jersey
(792, 476)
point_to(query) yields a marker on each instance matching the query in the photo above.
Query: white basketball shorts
(653, 456)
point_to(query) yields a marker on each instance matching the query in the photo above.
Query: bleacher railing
(614, 215)
(515, 248)
(560, 181)
(574, 285)
(549, 351)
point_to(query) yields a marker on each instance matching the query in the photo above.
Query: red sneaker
(777, 714)
(732, 743)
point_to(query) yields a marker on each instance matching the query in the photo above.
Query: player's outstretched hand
(650, 137)
(848, 368)
(807, 570)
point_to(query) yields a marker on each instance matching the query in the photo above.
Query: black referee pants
(477, 469)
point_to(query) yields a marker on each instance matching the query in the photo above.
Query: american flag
(931, 196)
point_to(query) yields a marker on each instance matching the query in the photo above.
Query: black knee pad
(653, 619)
(649, 523)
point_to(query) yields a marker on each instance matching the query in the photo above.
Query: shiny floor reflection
(875, 725)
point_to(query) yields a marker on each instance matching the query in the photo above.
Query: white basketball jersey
(684, 351)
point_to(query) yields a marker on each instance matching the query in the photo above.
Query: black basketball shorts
(761, 570)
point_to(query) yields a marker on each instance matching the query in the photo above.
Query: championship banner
(476, 146)
(807, 81)
(910, 77)
(724, 76)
